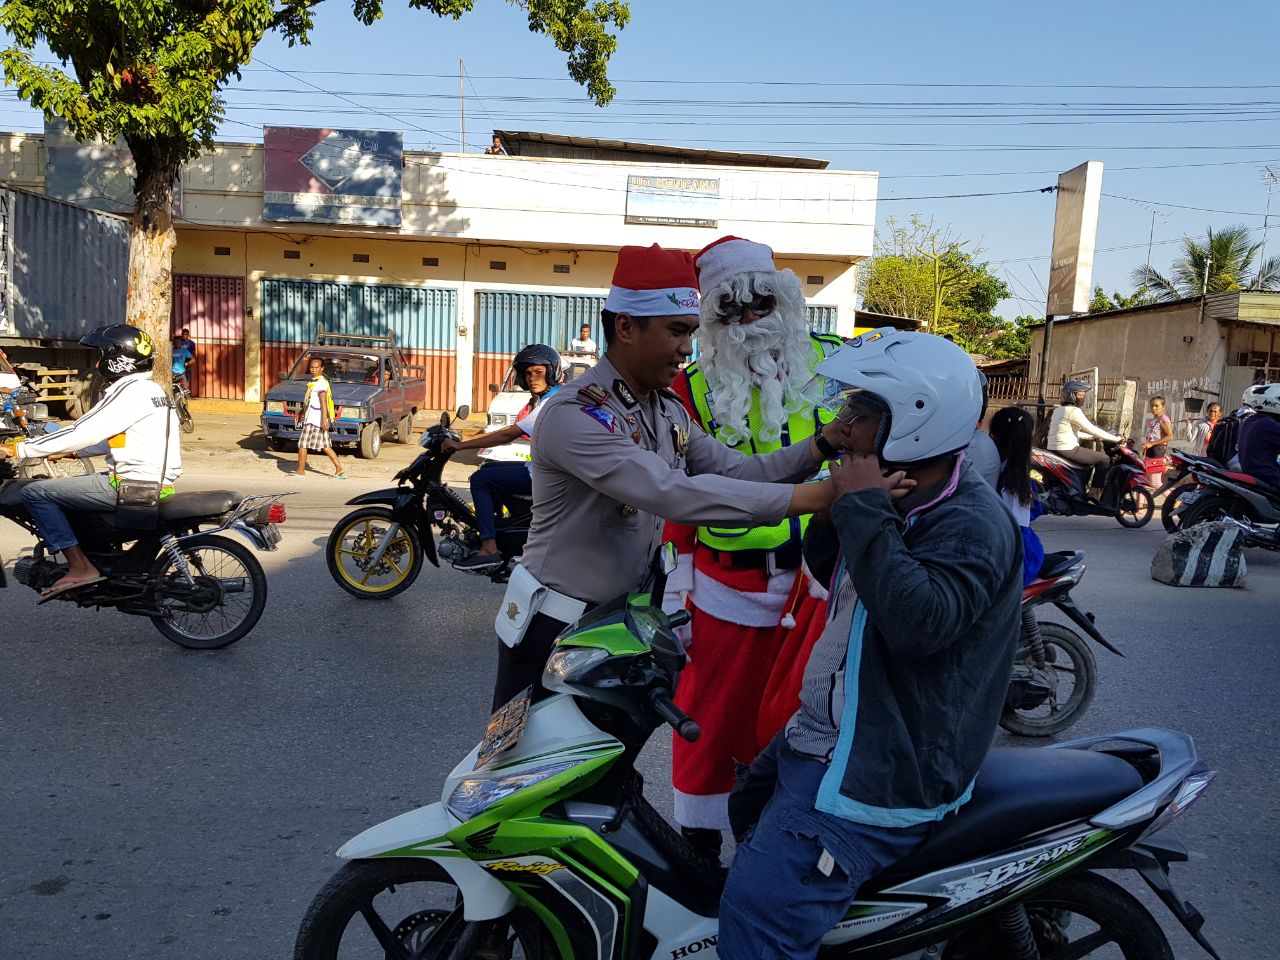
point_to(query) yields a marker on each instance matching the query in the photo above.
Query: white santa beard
(773, 354)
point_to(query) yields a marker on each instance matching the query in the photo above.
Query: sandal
(67, 585)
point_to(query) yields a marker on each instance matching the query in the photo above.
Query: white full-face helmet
(1264, 397)
(929, 384)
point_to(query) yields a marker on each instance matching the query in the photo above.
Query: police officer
(616, 453)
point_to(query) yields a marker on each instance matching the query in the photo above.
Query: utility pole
(1152, 235)
(462, 106)
(1271, 178)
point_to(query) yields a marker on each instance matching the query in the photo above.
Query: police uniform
(608, 466)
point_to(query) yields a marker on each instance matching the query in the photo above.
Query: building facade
(492, 252)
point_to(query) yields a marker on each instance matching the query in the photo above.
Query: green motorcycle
(543, 845)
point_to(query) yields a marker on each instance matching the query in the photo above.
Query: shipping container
(424, 319)
(507, 320)
(212, 308)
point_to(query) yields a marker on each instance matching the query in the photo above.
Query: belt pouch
(524, 596)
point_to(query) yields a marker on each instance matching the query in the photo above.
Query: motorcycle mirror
(464, 411)
(444, 419)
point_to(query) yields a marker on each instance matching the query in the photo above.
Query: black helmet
(1071, 388)
(538, 354)
(123, 350)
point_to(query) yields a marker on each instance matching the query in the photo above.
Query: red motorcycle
(1063, 487)
(1238, 498)
(1054, 672)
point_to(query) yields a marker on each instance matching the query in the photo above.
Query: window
(293, 254)
(359, 258)
(222, 251)
(431, 261)
(497, 264)
(815, 279)
(560, 268)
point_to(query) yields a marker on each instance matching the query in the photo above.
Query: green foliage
(153, 70)
(925, 273)
(1226, 258)
(1010, 340)
(1102, 303)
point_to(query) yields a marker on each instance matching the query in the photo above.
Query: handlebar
(679, 618)
(684, 725)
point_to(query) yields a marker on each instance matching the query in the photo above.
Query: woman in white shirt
(1068, 424)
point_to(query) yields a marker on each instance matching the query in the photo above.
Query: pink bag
(1155, 467)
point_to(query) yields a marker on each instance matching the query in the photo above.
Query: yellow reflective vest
(799, 428)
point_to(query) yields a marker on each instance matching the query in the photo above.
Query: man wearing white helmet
(1259, 444)
(903, 691)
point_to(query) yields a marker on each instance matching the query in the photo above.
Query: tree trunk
(149, 303)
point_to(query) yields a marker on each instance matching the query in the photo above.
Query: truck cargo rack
(329, 337)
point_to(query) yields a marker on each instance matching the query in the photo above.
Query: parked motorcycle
(182, 404)
(376, 552)
(22, 417)
(1063, 487)
(1054, 674)
(1237, 498)
(1178, 481)
(203, 591)
(543, 844)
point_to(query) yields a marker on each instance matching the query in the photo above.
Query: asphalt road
(156, 802)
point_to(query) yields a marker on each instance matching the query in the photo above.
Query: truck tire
(404, 429)
(87, 392)
(370, 440)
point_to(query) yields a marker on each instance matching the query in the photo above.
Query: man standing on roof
(747, 389)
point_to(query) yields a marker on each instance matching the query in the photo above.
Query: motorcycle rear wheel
(1135, 507)
(402, 908)
(1171, 520)
(1078, 916)
(1068, 659)
(1214, 506)
(229, 582)
(353, 542)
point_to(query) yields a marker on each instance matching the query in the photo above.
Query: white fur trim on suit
(671, 302)
(741, 607)
(707, 810)
(730, 257)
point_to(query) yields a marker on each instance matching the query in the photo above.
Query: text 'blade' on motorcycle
(1222, 494)
(1054, 672)
(376, 552)
(1063, 486)
(202, 590)
(544, 846)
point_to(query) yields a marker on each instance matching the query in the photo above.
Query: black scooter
(376, 552)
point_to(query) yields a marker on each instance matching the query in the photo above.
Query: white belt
(562, 607)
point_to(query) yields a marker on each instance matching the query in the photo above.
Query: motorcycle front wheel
(408, 908)
(221, 602)
(1135, 507)
(1171, 514)
(352, 546)
(1214, 506)
(1071, 673)
(1082, 915)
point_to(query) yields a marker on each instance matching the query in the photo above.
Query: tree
(928, 274)
(1223, 262)
(153, 71)
(1101, 303)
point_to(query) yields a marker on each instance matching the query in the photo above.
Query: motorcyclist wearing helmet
(1259, 445)
(540, 371)
(1068, 424)
(903, 690)
(133, 426)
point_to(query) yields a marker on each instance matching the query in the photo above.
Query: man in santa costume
(747, 389)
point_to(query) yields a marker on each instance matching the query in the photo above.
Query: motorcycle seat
(1056, 564)
(1020, 791)
(11, 492)
(187, 506)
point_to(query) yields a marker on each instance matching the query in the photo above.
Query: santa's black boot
(706, 842)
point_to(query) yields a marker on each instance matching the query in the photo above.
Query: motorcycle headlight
(350, 413)
(474, 795)
(567, 664)
(275, 406)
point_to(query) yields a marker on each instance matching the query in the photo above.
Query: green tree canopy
(928, 274)
(1225, 257)
(1102, 303)
(153, 72)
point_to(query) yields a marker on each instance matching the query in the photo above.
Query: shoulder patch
(624, 393)
(594, 393)
(605, 417)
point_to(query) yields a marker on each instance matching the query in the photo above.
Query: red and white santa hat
(652, 282)
(728, 257)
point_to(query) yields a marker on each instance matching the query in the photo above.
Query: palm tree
(1229, 256)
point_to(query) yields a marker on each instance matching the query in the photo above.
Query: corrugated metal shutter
(507, 320)
(424, 320)
(821, 319)
(213, 309)
(68, 267)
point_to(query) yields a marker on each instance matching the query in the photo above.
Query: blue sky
(940, 99)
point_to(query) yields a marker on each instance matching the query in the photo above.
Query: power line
(1180, 206)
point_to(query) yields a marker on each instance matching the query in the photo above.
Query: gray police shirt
(608, 468)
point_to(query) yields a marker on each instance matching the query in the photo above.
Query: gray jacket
(608, 468)
(930, 650)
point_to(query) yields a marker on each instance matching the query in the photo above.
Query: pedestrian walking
(1155, 442)
(316, 417)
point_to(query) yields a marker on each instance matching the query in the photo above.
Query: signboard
(96, 174)
(333, 176)
(1075, 233)
(673, 201)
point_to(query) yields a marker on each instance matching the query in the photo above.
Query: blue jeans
(490, 482)
(45, 499)
(797, 872)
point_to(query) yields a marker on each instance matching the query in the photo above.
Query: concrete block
(1206, 555)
